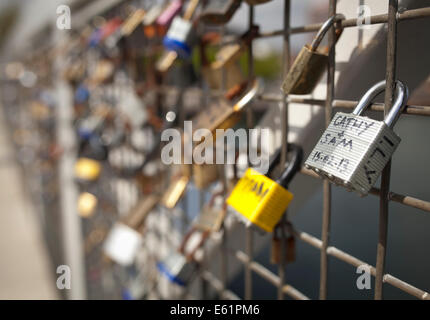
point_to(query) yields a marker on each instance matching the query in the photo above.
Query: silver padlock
(181, 266)
(354, 149)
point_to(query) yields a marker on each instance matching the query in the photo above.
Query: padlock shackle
(182, 247)
(402, 95)
(324, 29)
(247, 98)
(293, 166)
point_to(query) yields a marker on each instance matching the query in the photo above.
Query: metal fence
(384, 193)
(246, 257)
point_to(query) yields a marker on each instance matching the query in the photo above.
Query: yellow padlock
(87, 169)
(87, 203)
(261, 201)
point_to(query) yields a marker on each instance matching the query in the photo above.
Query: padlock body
(174, 192)
(204, 175)
(215, 78)
(353, 151)
(180, 37)
(259, 200)
(219, 12)
(177, 269)
(305, 72)
(210, 219)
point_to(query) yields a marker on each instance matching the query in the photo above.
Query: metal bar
(326, 219)
(347, 104)
(248, 271)
(345, 257)
(396, 197)
(348, 23)
(385, 177)
(249, 231)
(284, 130)
(218, 286)
(269, 276)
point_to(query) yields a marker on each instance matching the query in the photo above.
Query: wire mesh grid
(162, 220)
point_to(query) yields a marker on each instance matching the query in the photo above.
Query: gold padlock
(227, 57)
(311, 63)
(204, 175)
(87, 169)
(176, 190)
(87, 203)
(136, 218)
(211, 218)
(224, 115)
(132, 22)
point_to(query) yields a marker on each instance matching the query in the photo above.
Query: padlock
(289, 247)
(259, 200)
(310, 63)
(87, 169)
(126, 28)
(219, 12)
(204, 175)
(227, 63)
(181, 35)
(166, 17)
(126, 161)
(354, 149)
(166, 61)
(180, 266)
(125, 239)
(223, 115)
(102, 72)
(212, 216)
(175, 191)
(87, 203)
(149, 20)
(132, 22)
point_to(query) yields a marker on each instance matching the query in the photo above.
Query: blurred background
(42, 225)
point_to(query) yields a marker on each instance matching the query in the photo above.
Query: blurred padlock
(149, 20)
(219, 12)
(354, 149)
(259, 200)
(311, 63)
(87, 169)
(289, 247)
(175, 191)
(125, 239)
(226, 63)
(166, 17)
(204, 175)
(132, 22)
(180, 266)
(211, 216)
(87, 203)
(224, 115)
(181, 35)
